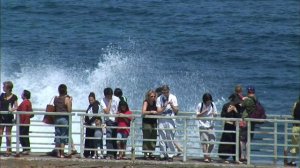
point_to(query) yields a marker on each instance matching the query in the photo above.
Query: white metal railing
(274, 133)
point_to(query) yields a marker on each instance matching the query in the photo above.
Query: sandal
(206, 160)
(7, 154)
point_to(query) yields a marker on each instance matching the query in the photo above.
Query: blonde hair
(148, 93)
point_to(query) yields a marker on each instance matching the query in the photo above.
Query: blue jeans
(61, 131)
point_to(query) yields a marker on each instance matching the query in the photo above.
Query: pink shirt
(124, 122)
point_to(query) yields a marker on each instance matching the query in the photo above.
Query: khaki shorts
(295, 139)
(207, 134)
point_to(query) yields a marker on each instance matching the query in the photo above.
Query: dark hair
(62, 89)
(123, 103)
(206, 97)
(108, 91)
(158, 91)
(26, 94)
(92, 94)
(118, 92)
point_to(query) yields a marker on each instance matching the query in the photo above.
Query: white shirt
(113, 108)
(161, 101)
(211, 111)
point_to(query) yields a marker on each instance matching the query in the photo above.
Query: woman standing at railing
(25, 119)
(231, 109)
(93, 108)
(62, 103)
(8, 102)
(207, 108)
(149, 124)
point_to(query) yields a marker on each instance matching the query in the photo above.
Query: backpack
(259, 112)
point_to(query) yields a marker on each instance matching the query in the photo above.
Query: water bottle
(9, 107)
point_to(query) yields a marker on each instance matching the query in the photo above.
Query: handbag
(49, 119)
(243, 124)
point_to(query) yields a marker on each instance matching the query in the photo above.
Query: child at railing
(98, 134)
(123, 132)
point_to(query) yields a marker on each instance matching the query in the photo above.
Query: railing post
(132, 140)
(70, 140)
(18, 134)
(185, 140)
(275, 141)
(237, 141)
(285, 142)
(248, 145)
(81, 136)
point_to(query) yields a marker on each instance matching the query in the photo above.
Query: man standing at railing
(109, 105)
(167, 106)
(296, 133)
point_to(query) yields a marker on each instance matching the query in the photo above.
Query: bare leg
(8, 139)
(205, 151)
(1, 133)
(179, 148)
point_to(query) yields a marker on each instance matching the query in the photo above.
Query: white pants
(166, 135)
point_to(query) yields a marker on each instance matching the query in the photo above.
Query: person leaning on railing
(296, 133)
(149, 124)
(167, 106)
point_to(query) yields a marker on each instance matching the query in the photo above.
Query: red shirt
(25, 106)
(124, 122)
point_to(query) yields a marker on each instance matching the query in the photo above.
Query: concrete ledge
(41, 160)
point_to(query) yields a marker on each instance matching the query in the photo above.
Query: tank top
(150, 108)
(60, 106)
(4, 106)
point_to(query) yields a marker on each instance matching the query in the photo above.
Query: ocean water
(194, 46)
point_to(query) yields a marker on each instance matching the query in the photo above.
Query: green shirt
(249, 105)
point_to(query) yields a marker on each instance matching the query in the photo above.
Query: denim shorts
(61, 131)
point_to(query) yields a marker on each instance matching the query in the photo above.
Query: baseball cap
(250, 89)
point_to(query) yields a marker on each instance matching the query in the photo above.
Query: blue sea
(194, 46)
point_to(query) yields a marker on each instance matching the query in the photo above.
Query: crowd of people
(157, 102)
